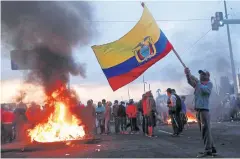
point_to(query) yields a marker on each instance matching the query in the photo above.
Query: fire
(61, 125)
(190, 118)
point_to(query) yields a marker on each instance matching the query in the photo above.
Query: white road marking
(165, 132)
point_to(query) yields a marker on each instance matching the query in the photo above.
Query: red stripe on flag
(120, 81)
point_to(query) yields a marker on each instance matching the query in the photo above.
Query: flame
(190, 116)
(61, 125)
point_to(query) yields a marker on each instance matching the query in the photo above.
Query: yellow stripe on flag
(116, 52)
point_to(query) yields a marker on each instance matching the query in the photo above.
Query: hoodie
(202, 92)
(100, 110)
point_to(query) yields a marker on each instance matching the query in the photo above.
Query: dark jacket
(121, 111)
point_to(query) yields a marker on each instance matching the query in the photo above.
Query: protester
(7, 123)
(131, 112)
(172, 111)
(100, 110)
(2, 134)
(20, 120)
(178, 110)
(104, 102)
(33, 114)
(202, 93)
(122, 117)
(115, 115)
(183, 112)
(152, 113)
(107, 116)
(90, 111)
(238, 101)
(234, 109)
(149, 108)
(144, 122)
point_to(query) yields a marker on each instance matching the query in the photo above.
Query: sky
(198, 46)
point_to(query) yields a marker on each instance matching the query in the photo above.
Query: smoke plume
(43, 33)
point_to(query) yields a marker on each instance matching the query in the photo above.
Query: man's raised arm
(192, 80)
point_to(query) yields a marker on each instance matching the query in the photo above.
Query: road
(226, 136)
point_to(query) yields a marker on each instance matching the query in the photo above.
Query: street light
(144, 86)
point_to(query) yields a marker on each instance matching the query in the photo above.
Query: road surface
(226, 136)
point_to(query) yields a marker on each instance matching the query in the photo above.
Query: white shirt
(173, 100)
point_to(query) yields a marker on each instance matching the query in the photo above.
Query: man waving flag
(124, 60)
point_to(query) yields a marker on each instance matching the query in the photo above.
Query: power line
(205, 34)
(131, 21)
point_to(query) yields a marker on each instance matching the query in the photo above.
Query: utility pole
(149, 87)
(218, 21)
(144, 84)
(231, 53)
(216, 86)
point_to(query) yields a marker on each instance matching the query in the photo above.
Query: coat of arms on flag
(124, 60)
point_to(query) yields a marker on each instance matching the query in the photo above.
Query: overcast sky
(114, 19)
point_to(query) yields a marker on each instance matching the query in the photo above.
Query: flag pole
(175, 52)
(179, 58)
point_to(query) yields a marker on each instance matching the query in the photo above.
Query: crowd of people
(230, 107)
(96, 118)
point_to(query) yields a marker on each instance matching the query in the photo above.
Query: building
(239, 83)
(225, 86)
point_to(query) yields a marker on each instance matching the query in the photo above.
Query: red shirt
(2, 110)
(131, 111)
(144, 103)
(8, 117)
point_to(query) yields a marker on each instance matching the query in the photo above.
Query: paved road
(226, 136)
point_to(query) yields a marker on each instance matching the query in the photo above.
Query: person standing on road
(178, 110)
(203, 88)
(172, 111)
(100, 110)
(20, 120)
(107, 116)
(115, 116)
(149, 108)
(140, 109)
(90, 111)
(104, 103)
(183, 112)
(7, 121)
(122, 117)
(132, 115)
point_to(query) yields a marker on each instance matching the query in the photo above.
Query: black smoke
(44, 33)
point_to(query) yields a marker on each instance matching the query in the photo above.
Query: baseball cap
(204, 72)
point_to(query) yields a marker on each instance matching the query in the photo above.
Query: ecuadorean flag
(124, 60)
